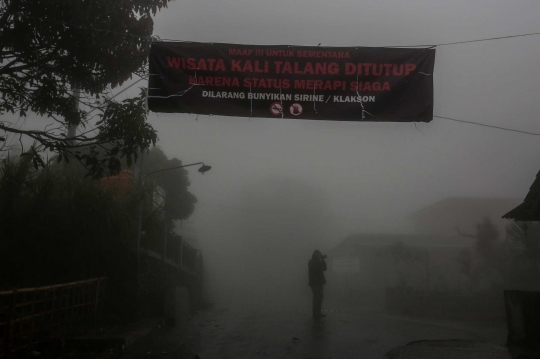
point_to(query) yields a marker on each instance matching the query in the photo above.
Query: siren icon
(296, 109)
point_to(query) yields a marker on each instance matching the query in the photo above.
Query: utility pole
(72, 128)
(73, 120)
(138, 270)
(140, 179)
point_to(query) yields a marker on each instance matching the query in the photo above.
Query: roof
(529, 210)
(119, 185)
(471, 204)
(378, 240)
(444, 216)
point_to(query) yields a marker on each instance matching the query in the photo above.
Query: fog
(279, 188)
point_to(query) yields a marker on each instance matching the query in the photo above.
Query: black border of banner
(396, 84)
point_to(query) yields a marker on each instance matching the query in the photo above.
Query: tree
(492, 256)
(56, 228)
(486, 237)
(179, 202)
(49, 48)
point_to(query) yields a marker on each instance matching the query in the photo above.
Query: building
(445, 217)
(430, 260)
(119, 185)
(529, 209)
(369, 263)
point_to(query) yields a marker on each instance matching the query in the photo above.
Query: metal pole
(165, 241)
(139, 224)
(10, 323)
(73, 121)
(138, 244)
(96, 304)
(181, 253)
(72, 128)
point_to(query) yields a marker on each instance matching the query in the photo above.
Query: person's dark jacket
(316, 269)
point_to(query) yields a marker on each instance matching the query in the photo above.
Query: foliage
(50, 47)
(179, 202)
(515, 260)
(487, 260)
(56, 228)
(487, 238)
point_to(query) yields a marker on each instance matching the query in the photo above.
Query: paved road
(251, 332)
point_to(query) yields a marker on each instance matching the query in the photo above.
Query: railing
(178, 253)
(189, 257)
(30, 316)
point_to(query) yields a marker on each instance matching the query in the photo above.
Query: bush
(56, 227)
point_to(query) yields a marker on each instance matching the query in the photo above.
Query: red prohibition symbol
(276, 108)
(296, 109)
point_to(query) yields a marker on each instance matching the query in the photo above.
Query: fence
(31, 316)
(177, 253)
(190, 258)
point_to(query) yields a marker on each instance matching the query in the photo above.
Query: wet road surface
(251, 332)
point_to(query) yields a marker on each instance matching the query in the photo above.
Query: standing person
(317, 266)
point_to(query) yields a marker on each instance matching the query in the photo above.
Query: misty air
(288, 179)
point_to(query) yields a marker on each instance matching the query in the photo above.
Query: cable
(470, 41)
(124, 90)
(490, 126)
(95, 108)
(427, 46)
(402, 46)
(488, 39)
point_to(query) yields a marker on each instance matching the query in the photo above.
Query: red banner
(342, 84)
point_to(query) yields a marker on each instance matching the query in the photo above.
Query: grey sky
(373, 173)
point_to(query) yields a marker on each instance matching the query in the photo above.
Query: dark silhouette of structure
(529, 210)
(317, 267)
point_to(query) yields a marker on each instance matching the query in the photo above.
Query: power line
(489, 39)
(436, 45)
(124, 90)
(176, 40)
(490, 126)
(471, 41)
(95, 108)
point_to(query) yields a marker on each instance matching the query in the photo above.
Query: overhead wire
(470, 41)
(488, 39)
(399, 46)
(117, 94)
(179, 40)
(485, 125)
